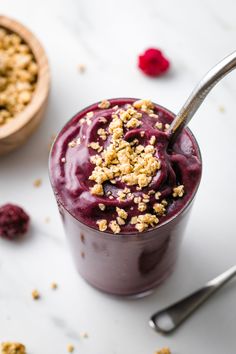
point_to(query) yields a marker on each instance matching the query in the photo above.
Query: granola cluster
(130, 163)
(164, 350)
(18, 75)
(12, 348)
(35, 294)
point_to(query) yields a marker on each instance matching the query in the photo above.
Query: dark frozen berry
(13, 221)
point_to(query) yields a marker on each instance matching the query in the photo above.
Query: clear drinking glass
(128, 264)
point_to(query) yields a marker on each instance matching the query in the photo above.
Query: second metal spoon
(167, 320)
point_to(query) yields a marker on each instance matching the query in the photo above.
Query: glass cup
(128, 264)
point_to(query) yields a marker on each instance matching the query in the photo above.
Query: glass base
(148, 290)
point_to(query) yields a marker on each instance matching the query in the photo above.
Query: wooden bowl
(15, 132)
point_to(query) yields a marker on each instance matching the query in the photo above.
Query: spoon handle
(200, 92)
(167, 320)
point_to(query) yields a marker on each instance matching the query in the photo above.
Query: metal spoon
(167, 320)
(199, 94)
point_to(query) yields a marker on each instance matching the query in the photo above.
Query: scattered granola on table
(37, 182)
(54, 286)
(35, 294)
(222, 109)
(18, 75)
(164, 350)
(12, 348)
(84, 335)
(70, 348)
(81, 68)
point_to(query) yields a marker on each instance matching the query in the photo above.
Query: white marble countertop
(107, 36)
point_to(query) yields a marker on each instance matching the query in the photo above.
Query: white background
(107, 36)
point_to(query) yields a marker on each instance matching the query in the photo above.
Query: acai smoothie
(124, 194)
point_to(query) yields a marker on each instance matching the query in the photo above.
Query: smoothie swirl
(110, 167)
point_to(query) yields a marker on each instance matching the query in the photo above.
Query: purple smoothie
(123, 196)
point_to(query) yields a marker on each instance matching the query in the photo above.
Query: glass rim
(130, 234)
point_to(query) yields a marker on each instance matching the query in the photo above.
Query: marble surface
(107, 36)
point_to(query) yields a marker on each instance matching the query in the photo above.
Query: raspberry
(13, 221)
(153, 63)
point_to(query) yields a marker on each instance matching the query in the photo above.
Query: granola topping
(97, 189)
(142, 206)
(115, 228)
(102, 206)
(120, 221)
(159, 208)
(94, 146)
(104, 104)
(178, 191)
(102, 224)
(133, 165)
(122, 213)
(116, 173)
(146, 220)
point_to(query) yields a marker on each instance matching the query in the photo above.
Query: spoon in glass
(169, 319)
(199, 94)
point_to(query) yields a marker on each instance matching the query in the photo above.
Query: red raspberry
(13, 221)
(153, 63)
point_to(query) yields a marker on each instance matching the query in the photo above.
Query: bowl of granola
(24, 84)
